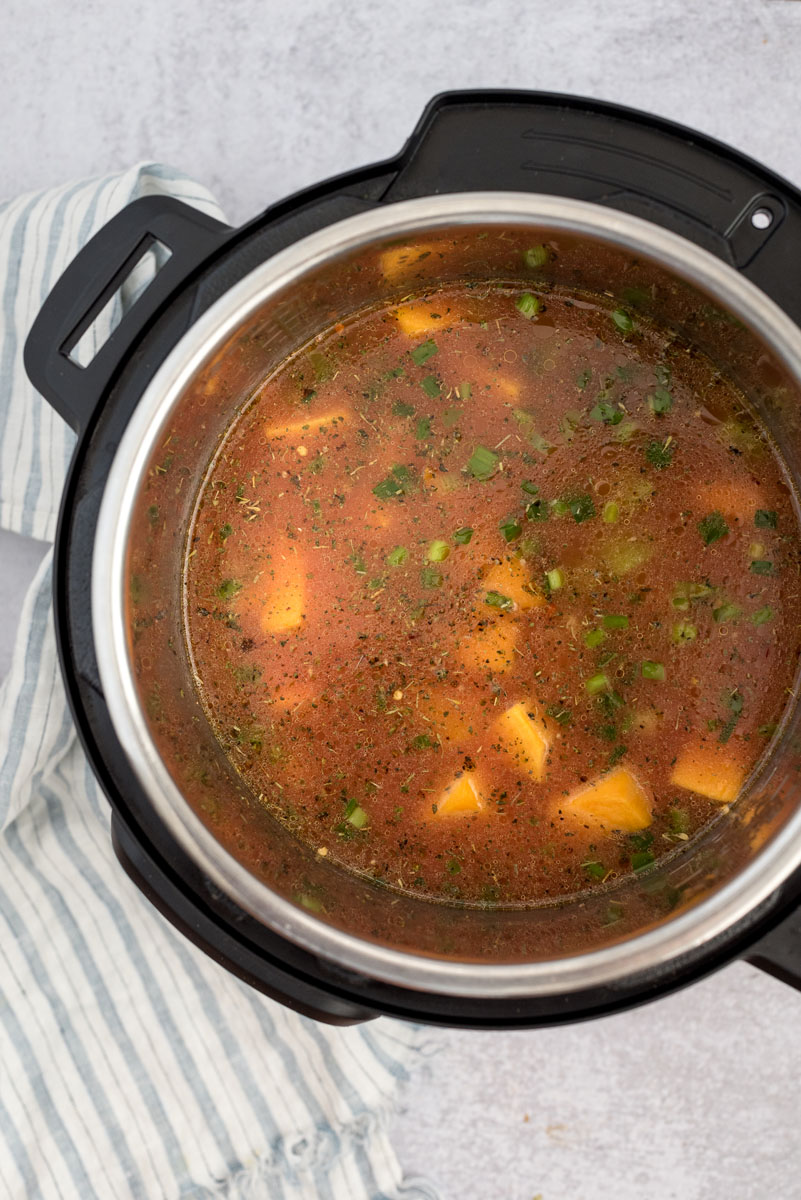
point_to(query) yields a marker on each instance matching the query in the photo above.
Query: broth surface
(493, 596)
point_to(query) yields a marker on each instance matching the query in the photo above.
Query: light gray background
(696, 1097)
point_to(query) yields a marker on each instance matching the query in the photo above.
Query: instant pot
(677, 226)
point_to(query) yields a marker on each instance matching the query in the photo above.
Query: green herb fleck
(659, 454)
(462, 536)
(765, 518)
(423, 429)
(762, 616)
(558, 713)
(538, 510)
(402, 409)
(761, 566)
(398, 556)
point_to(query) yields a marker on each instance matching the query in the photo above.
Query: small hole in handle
(139, 277)
(761, 218)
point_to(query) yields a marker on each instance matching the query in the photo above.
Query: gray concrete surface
(696, 1097)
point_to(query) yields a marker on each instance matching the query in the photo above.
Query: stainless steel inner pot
(597, 938)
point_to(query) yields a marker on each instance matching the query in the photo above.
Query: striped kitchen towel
(131, 1066)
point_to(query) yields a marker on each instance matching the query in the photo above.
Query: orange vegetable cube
(461, 796)
(284, 599)
(511, 579)
(490, 648)
(615, 801)
(527, 735)
(422, 316)
(710, 770)
(300, 429)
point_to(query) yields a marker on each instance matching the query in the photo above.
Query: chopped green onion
(398, 556)
(482, 462)
(660, 402)
(593, 638)
(626, 431)
(462, 536)
(765, 518)
(402, 409)
(465, 391)
(767, 730)
(761, 566)
(430, 577)
(310, 902)
(510, 528)
(498, 600)
(622, 320)
(529, 488)
(684, 631)
(762, 616)
(538, 510)
(438, 551)
(597, 683)
(528, 305)
(653, 670)
(421, 354)
(431, 386)
(423, 429)
(641, 860)
(356, 816)
(678, 821)
(608, 413)
(228, 589)
(580, 507)
(659, 454)
(712, 528)
(594, 870)
(662, 374)
(535, 256)
(683, 593)
(611, 512)
(583, 379)
(726, 612)
(556, 578)
(615, 621)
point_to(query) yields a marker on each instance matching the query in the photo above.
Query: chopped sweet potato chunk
(461, 796)
(444, 717)
(301, 428)
(420, 316)
(615, 801)
(510, 580)
(526, 733)
(491, 648)
(710, 770)
(283, 607)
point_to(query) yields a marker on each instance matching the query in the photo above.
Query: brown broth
(351, 679)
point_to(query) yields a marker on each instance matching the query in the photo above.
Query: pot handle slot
(778, 952)
(92, 280)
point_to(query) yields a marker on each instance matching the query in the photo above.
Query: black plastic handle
(89, 282)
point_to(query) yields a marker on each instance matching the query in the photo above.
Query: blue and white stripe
(131, 1066)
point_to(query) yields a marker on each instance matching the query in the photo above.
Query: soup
(491, 596)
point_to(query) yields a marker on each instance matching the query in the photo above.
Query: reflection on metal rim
(689, 930)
